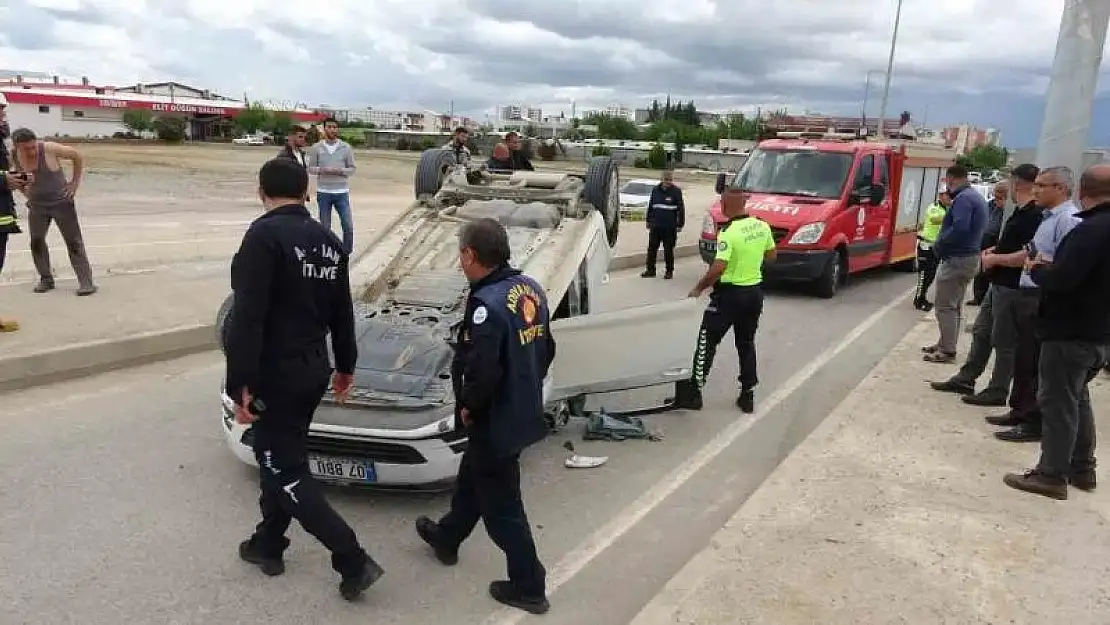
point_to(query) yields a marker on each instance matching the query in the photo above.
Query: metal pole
(1071, 91)
(866, 92)
(889, 69)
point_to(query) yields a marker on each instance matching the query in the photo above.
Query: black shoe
(922, 305)
(1083, 480)
(428, 530)
(1021, 434)
(746, 402)
(1008, 420)
(650, 273)
(687, 396)
(928, 307)
(44, 286)
(85, 291)
(505, 593)
(1038, 484)
(669, 275)
(352, 587)
(953, 385)
(985, 398)
(269, 566)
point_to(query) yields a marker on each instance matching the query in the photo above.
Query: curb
(85, 359)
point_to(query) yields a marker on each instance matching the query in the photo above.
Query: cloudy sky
(979, 61)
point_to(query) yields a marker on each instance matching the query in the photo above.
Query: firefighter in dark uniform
(736, 302)
(503, 352)
(9, 225)
(291, 288)
(665, 218)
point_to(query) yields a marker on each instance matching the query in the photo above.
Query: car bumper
(797, 266)
(396, 462)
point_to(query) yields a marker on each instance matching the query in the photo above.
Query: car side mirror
(854, 197)
(722, 182)
(878, 194)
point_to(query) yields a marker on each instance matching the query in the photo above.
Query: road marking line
(576, 560)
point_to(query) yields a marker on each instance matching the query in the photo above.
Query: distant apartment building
(965, 137)
(622, 112)
(642, 116)
(519, 112)
(413, 121)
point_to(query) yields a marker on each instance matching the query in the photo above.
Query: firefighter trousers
(288, 489)
(730, 307)
(488, 489)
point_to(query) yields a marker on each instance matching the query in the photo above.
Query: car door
(624, 349)
(864, 247)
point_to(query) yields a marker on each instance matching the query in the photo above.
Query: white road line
(576, 560)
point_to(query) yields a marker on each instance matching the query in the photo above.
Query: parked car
(250, 140)
(835, 207)
(634, 198)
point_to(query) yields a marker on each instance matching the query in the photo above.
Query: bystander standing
(996, 214)
(957, 247)
(1073, 322)
(332, 161)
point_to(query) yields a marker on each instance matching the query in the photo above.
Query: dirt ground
(146, 205)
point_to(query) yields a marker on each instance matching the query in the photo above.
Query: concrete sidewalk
(894, 511)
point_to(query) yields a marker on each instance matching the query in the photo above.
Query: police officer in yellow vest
(736, 302)
(926, 260)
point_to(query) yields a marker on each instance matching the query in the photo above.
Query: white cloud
(726, 54)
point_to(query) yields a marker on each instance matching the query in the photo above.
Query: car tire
(827, 285)
(223, 322)
(603, 193)
(431, 171)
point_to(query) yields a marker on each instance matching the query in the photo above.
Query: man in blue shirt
(958, 248)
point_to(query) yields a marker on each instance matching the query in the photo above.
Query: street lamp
(889, 67)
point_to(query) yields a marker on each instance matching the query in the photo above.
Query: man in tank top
(50, 198)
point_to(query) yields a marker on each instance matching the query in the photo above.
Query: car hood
(785, 211)
(631, 199)
(401, 366)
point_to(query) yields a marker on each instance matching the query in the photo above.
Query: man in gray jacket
(332, 161)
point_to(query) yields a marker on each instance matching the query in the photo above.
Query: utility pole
(1071, 91)
(889, 70)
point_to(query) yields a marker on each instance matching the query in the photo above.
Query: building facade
(519, 112)
(56, 109)
(966, 137)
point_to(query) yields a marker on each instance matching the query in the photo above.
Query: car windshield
(795, 172)
(637, 188)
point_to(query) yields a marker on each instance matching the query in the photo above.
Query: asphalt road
(121, 503)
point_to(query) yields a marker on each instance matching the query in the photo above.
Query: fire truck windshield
(807, 173)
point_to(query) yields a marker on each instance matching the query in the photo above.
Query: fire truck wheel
(833, 276)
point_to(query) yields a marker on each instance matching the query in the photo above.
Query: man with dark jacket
(996, 212)
(957, 248)
(665, 218)
(9, 181)
(503, 351)
(292, 291)
(294, 151)
(1073, 322)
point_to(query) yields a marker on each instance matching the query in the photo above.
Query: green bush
(602, 150)
(402, 143)
(427, 143)
(641, 163)
(170, 129)
(657, 156)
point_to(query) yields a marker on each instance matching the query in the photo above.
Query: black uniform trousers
(1027, 357)
(3, 249)
(288, 489)
(488, 489)
(730, 307)
(667, 237)
(926, 273)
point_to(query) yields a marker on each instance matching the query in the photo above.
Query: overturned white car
(397, 428)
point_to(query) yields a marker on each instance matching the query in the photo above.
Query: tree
(610, 127)
(530, 130)
(657, 156)
(138, 120)
(279, 123)
(170, 129)
(985, 158)
(253, 118)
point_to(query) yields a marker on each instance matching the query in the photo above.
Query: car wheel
(833, 276)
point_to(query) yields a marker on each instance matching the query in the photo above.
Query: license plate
(342, 469)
